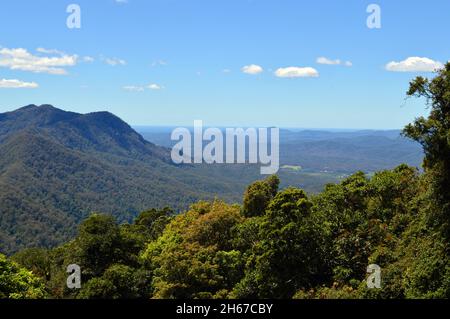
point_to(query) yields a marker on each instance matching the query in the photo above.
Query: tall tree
(258, 195)
(434, 135)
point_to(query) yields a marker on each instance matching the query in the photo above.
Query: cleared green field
(291, 167)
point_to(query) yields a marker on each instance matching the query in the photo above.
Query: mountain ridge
(81, 131)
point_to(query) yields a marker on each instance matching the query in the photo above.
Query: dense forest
(280, 243)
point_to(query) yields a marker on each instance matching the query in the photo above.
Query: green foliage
(108, 255)
(99, 244)
(17, 282)
(285, 259)
(258, 195)
(118, 282)
(151, 223)
(433, 133)
(298, 247)
(35, 259)
(194, 257)
(335, 292)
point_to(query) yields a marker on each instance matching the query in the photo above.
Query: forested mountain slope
(57, 167)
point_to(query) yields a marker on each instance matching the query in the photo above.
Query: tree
(99, 244)
(258, 195)
(285, 258)
(17, 282)
(35, 259)
(429, 269)
(118, 282)
(152, 222)
(434, 135)
(194, 258)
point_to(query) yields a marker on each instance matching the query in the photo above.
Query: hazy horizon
(292, 129)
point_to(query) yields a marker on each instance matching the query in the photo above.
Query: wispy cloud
(296, 72)
(133, 88)
(17, 84)
(252, 69)
(414, 64)
(159, 63)
(142, 88)
(88, 59)
(21, 59)
(154, 86)
(114, 61)
(327, 61)
(50, 51)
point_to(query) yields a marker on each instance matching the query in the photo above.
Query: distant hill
(331, 151)
(347, 152)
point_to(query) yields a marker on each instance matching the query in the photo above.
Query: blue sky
(169, 62)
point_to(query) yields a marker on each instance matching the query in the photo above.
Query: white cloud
(252, 69)
(414, 64)
(21, 59)
(17, 84)
(296, 72)
(121, 1)
(88, 59)
(114, 61)
(154, 86)
(140, 88)
(133, 88)
(327, 61)
(159, 63)
(50, 51)
(324, 60)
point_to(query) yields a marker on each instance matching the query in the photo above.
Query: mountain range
(342, 152)
(57, 167)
